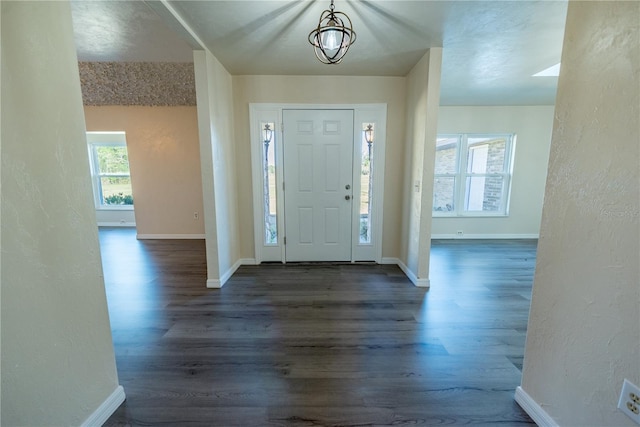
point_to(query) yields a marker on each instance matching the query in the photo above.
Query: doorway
(317, 183)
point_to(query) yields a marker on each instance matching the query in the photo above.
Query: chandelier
(333, 37)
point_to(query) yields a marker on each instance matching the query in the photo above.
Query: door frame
(272, 113)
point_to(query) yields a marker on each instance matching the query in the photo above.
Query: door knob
(347, 197)
(347, 187)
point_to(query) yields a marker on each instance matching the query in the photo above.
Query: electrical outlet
(459, 233)
(629, 402)
(196, 215)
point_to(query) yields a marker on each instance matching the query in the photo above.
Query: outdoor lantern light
(368, 135)
(333, 37)
(267, 134)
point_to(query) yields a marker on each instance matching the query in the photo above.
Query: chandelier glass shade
(333, 37)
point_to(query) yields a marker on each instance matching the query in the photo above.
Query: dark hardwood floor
(318, 345)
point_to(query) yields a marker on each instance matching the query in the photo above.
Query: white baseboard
(214, 284)
(218, 283)
(485, 236)
(407, 272)
(106, 409)
(116, 224)
(169, 236)
(534, 410)
(421, 283)
(227, 274)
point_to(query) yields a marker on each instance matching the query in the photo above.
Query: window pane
(366, 180)
(446, 156)
(112, 159)
(269, 181)
(484, 193)
(444, 194)
(486, 155)
(116, 190)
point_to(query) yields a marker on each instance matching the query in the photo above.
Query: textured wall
(218, 167)
(58, 361)
(584, 327)
(423, 95)
(137, 83)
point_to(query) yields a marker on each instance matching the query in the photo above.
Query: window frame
(462, 175)
(105, 139)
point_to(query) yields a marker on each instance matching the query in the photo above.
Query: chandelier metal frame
(340, 24)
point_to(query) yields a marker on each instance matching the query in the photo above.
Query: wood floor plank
(317, 344)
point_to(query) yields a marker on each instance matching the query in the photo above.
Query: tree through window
(109, 161)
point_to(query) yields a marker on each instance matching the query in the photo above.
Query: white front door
(318, 154)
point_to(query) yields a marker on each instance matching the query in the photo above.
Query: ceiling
(491, 49)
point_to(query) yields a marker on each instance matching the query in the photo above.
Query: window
(269, 184)
(109, 162)
(366, 181)
(472, 175)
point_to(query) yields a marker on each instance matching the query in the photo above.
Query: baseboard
(106, 409)
(218, 283)
(227, 274)
(534, 410)
(407, 272)
(484, 236)
(169, 236)
(214, 284)
(421, 283)
(116, 224)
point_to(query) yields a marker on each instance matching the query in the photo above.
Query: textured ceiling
(124, 31)
(490, 48)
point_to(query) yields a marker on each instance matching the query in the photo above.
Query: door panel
(318, 153)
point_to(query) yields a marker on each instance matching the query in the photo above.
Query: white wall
(423, 97)
(532, 126)
(58, 363)
(584, 326)
(218, 167)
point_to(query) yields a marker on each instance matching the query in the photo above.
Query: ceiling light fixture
(333, 37)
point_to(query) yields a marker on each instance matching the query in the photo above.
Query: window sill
(471, 216)
(115, 208)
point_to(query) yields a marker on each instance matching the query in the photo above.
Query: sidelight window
(366, 181)
(269, 183)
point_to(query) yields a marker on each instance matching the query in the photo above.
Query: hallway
(325, 344)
